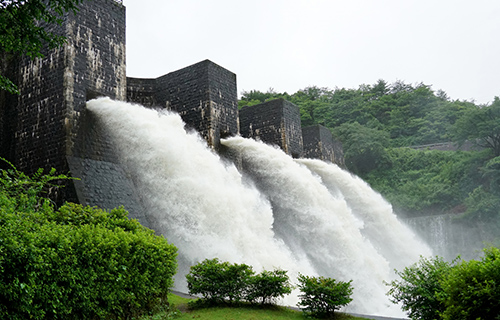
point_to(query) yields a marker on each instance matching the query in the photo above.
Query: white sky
(453, 45)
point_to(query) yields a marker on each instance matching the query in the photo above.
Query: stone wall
(319, 144)
(275, 122)
(142, 91)
(204, 94)
(53, 89)
(47, 125)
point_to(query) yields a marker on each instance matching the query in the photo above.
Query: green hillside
(380, 127)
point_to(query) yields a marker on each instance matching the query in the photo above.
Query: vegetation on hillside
(379, 126)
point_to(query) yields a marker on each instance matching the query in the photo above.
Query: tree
(481, 126)
(321, 296)
(418, 289)
(217, 281)
(470, 290)
(22, 30)
(364, 148)
(268, 286)
(253, 97)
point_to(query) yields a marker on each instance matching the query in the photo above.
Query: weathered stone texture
(47, 125)
(319, 144)
(106, 185)
(275, 122)
(44, 118)
(142, 91)
(204, 94)
(54, 88)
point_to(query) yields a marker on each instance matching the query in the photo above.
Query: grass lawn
(233, 313)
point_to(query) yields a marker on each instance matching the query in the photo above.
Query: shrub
(76, 262)
(471, 289)
(419, 287)
(322, 296)
(268, 286)
(219, 281)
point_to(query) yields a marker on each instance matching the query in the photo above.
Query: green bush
(321, 296)
(268, 286)
(218, 281)
(418, 289)
(76, 262)
(471, 289)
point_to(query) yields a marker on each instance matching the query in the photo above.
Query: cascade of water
(198, 202)
(393, 239)
(279, 215)
(316, 224)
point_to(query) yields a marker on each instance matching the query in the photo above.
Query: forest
(387, 132)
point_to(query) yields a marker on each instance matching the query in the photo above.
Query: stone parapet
(275, 122)
(319, 144)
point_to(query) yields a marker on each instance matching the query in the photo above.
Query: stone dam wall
(47, 125)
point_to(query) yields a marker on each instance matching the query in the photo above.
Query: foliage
(253, 97)
(364, 148)
(430, 181)
(481, 126)
(29, 193)
(22, 30)
(418, 289)
(321, 296)
(410, 114)
(218, 281)
(435, 289)
(76, 262)
(470, 290)
(376, 122)
(268, 286)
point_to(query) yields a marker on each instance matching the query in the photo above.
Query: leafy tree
(311, 101)
(481, 126)
(217, 281)
(435, 289)
(253, 97)
(321, 296)
(418, 289)
(470, 290)
(268, 286)
(22, 30)
(364, 148)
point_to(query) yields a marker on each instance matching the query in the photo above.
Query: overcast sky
(453, 45)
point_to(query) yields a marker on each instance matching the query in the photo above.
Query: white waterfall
(394, 240)
(278, 213)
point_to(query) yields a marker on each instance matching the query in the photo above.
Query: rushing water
(303, 216)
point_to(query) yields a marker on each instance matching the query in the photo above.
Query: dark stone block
(204, 94)
(319, 144)
(275, 122)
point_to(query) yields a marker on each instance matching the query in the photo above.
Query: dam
(249, 186)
